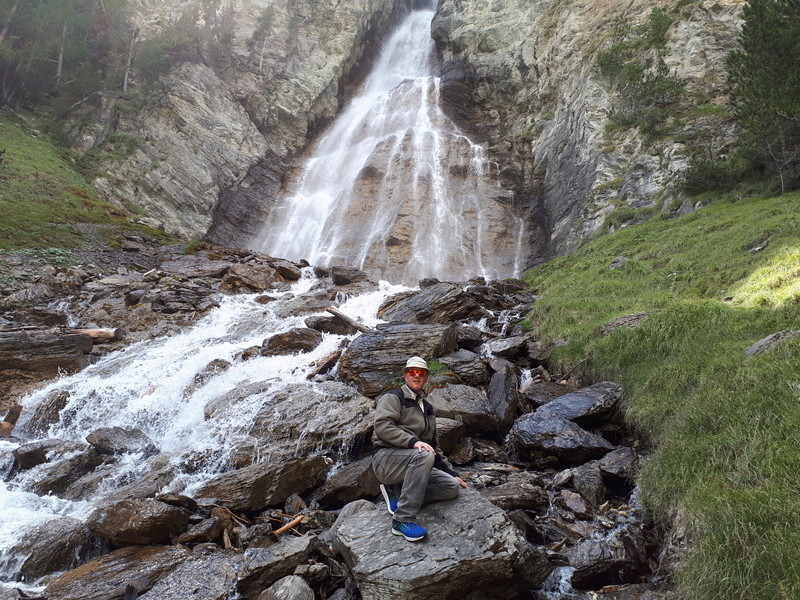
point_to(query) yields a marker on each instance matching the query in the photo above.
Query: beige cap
(416, 362)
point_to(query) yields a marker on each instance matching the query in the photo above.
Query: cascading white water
(152, 386)
(394, 186)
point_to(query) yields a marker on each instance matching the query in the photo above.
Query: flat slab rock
(472, 551)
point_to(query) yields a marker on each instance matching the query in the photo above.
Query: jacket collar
(411, 395)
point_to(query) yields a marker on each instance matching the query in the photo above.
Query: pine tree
(765, 86)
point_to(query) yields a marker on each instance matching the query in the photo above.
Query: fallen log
(293, 523)
(352, 322)
(103, 334)
(324, 364)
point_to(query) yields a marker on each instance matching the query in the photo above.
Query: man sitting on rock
(406, 461)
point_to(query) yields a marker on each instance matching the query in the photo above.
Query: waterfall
(394, 187)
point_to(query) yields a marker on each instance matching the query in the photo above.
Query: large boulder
(467, 404)
(204, 577)
(107, 577)
(262, 567)
(349, 483)
(468, 366)
(585, 406)
(471, 542)
(30, 455)
(504, 396)
(537, 436)
(56, 478)
(329, 415)
(120, 440)
(290, 587)
(55, 545)
(621, 558)
(298, 339)
(265, 484)
(439, 303)
(139, 521)
(374, 360)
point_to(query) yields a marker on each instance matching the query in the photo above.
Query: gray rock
(330, 325)
(298, 339)
(503, 392)
(121, 440)
(540, 393)
(250, 278)
(346, 276)
(196, 265)
(534, 435)
(264, 566)
(470, 541)
(349, 483)
(374, 360)
(467, 404)
(468, 366)
(57, 477)
(56, 545)
(622, 558)
(588, 482)
(138, 521)
(585, 406)
(522, 492)
(290, 587)
(575, 503)
(770, 341)
(449, 432)
(287, 270)
(265, 484)
(47, 411)
(205, 577)
(107, 577)
(469, 337)
(147, 486)
(509, 348)
(439, 303)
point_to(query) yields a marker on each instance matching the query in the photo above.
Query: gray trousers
(413, 470)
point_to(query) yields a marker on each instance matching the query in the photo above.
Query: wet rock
(347, 276)
(463, 452)
(619, 466)
(468, 366)
(56, 478)
(574, 502)
(298, 339)
(622, 558)
(286, 270)
(540, 393)
(504, 395)
(467, 404)
(449, 432)
(249, 278)
(265, 484)
(264, 566)
(138, 521)
(30, 455)
(533, 434)
(330, 325)
(509, 348)
(290, 587)
(121, 440)
(375, 359)
(107, 577)
(439, 303)
(146, 486)
(471, 541)
(301, 305)
(488, 451)
(469, 338)
(55, 545)
(43, 356)
(585, 406)
(351, 482)
(328, 415)
(588, 482)
(520, 492)
(46, 413)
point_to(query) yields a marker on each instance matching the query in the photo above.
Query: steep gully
(393, 188)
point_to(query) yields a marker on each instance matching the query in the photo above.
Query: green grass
(43, 197)
(725, 430)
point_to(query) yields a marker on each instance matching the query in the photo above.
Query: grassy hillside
(44, 200)
(726, 430)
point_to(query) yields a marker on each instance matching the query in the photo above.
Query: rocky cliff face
(523, 76)
(520, 76)
(203, 129)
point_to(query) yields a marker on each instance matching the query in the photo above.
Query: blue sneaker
(411, 531)
(391, 499)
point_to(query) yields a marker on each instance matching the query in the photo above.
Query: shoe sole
(385, 494)
(408, 537)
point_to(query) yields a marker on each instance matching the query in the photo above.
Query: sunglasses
(417, 372)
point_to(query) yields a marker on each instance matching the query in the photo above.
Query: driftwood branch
(293, 523)
(352, 322)
(110, 333)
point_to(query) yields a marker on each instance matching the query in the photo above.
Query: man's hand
(423, 447)
(461, 482)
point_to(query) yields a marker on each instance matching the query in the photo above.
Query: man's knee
(452, 488)
(424, 460)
